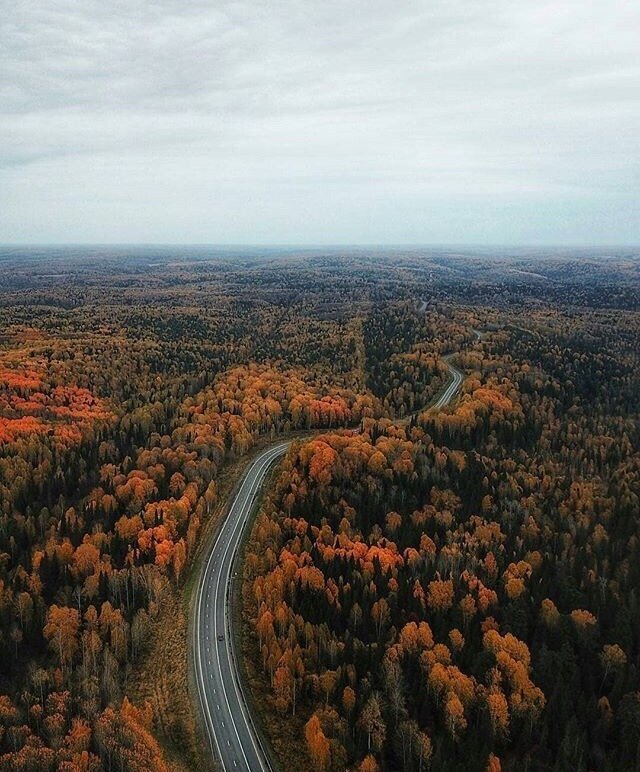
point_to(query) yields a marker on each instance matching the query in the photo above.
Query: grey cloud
(214, 120)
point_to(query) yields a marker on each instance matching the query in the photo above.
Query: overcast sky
(311, 121)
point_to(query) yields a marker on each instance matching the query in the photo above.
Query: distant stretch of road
(229, 725)
(452, 387)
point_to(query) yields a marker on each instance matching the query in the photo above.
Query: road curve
(228, 723)
(452, 387)
(230, 729)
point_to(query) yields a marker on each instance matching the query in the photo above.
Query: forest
(450, 589)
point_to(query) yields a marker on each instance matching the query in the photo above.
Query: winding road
(451, 388)
(230, 728)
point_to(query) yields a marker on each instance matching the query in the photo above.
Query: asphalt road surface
(452, 387)
(229, 725)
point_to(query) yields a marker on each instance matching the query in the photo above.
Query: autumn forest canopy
(447, 589)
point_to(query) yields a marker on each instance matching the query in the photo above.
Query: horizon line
(320, 245)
